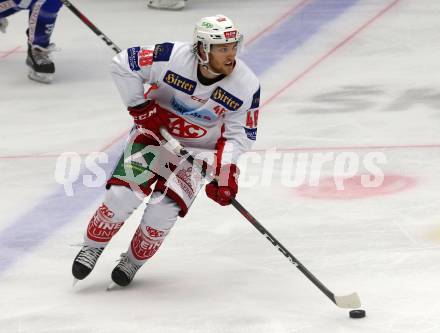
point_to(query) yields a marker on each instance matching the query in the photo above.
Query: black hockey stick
(87, 22)
(347, 301)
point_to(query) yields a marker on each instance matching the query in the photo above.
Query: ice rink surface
(343, 81)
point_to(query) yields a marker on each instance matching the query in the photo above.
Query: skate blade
(75, 281)
(111, 286)
(40, 77)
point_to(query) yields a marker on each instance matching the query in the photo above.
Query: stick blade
(351, 301)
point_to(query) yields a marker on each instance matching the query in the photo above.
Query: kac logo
(184, 129)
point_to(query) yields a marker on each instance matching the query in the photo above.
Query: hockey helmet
(217, 29)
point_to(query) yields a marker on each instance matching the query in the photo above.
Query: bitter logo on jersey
(179, 82)
(226, 99)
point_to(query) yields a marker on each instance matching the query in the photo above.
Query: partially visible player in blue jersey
(42, 17)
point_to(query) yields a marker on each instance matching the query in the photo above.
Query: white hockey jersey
(204, 114)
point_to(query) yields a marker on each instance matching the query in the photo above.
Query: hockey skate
(166, 4)
(85, 261)
(41, 67)
(124, 272)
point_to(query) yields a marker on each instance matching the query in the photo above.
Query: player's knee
(122, 201)
(161, 212)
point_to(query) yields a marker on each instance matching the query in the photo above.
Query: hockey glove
(149, 116)
(225, 188)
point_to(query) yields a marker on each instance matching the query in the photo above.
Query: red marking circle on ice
(354, 189)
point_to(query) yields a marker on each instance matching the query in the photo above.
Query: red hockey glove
(149, 116)
(226, 188)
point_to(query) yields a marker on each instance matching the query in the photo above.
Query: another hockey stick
(85, 20)
(348, 301)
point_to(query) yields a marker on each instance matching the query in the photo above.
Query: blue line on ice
(292, 33)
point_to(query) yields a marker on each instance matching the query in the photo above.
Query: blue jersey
(42, 17)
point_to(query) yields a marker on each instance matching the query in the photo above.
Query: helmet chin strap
(205, 65)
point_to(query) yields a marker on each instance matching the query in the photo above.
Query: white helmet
(217, 29)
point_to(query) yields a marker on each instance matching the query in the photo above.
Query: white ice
(358, 86)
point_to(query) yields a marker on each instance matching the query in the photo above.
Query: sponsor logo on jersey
(179, 106)
(230, 34)
(251, 133)
(256, 100)
(198, 113)
(133, 58)
(183, 129)
(226, 99)
(198, 99)
(145, 58)
(162, 52)
(179, 82)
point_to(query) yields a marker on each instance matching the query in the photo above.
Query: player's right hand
(225, 187)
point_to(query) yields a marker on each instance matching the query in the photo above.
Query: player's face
(222, 57)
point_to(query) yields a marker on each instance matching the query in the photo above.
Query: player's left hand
(225, 188)
(149, 116)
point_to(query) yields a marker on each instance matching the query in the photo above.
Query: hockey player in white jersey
(206, 98)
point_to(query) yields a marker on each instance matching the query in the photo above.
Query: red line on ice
(114, 141)
(5, 54)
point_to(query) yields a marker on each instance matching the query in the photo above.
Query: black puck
(357, 313)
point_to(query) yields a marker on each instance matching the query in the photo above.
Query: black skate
(41, 67)
(124, 272)
(85, 261)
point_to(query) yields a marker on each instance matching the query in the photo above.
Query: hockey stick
(87, 22)
(347, 301)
